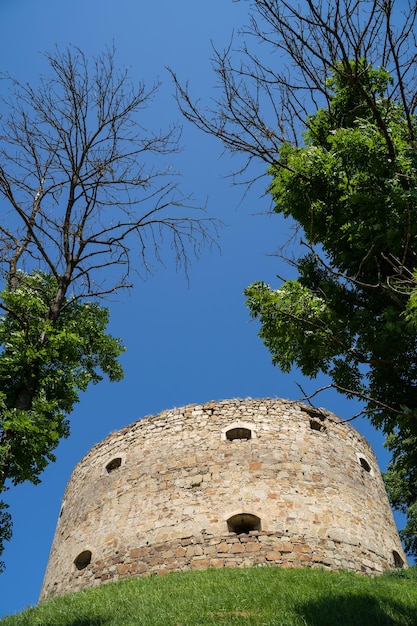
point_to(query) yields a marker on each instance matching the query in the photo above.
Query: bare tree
(87, 195)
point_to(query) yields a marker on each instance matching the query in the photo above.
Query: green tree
(327, 101)
(88, 196)
(44, 364)
(5, 529)
(349, 314)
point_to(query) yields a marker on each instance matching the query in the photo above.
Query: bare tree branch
(87, 186)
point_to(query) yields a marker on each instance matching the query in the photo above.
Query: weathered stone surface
(166, 505)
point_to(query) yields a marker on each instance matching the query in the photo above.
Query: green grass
(255, 596)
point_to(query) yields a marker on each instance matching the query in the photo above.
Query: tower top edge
(212, 407)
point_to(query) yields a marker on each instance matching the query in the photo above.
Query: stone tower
(224, 484)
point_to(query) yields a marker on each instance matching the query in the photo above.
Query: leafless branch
(88, 188)
(382, 406)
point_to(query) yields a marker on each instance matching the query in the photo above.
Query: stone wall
(224, 484)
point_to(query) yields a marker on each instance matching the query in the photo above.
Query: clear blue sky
(187, 343)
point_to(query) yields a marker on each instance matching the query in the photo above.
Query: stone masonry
(235, 483)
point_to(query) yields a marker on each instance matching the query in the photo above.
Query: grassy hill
(256, 596)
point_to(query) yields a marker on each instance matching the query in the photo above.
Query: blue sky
(187, 342)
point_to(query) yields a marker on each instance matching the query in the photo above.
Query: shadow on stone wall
(349, 610)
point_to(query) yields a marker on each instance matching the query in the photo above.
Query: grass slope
(257, 597)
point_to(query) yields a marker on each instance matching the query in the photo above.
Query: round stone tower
(224, 484)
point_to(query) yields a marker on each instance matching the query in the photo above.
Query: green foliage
(351, 314)
(5, 528)
(297, 326)
(44, 364)
(269, 596)
(401, 481)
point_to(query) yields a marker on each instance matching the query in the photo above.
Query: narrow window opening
(243, 523)
(316, 424)
(113, 465)
(364, 463)
(238, 433)
(398, 562)
(83, 559)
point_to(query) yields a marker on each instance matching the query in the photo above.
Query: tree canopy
(43, 367)
(350, 313)
(327, 102)
(44, 364)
